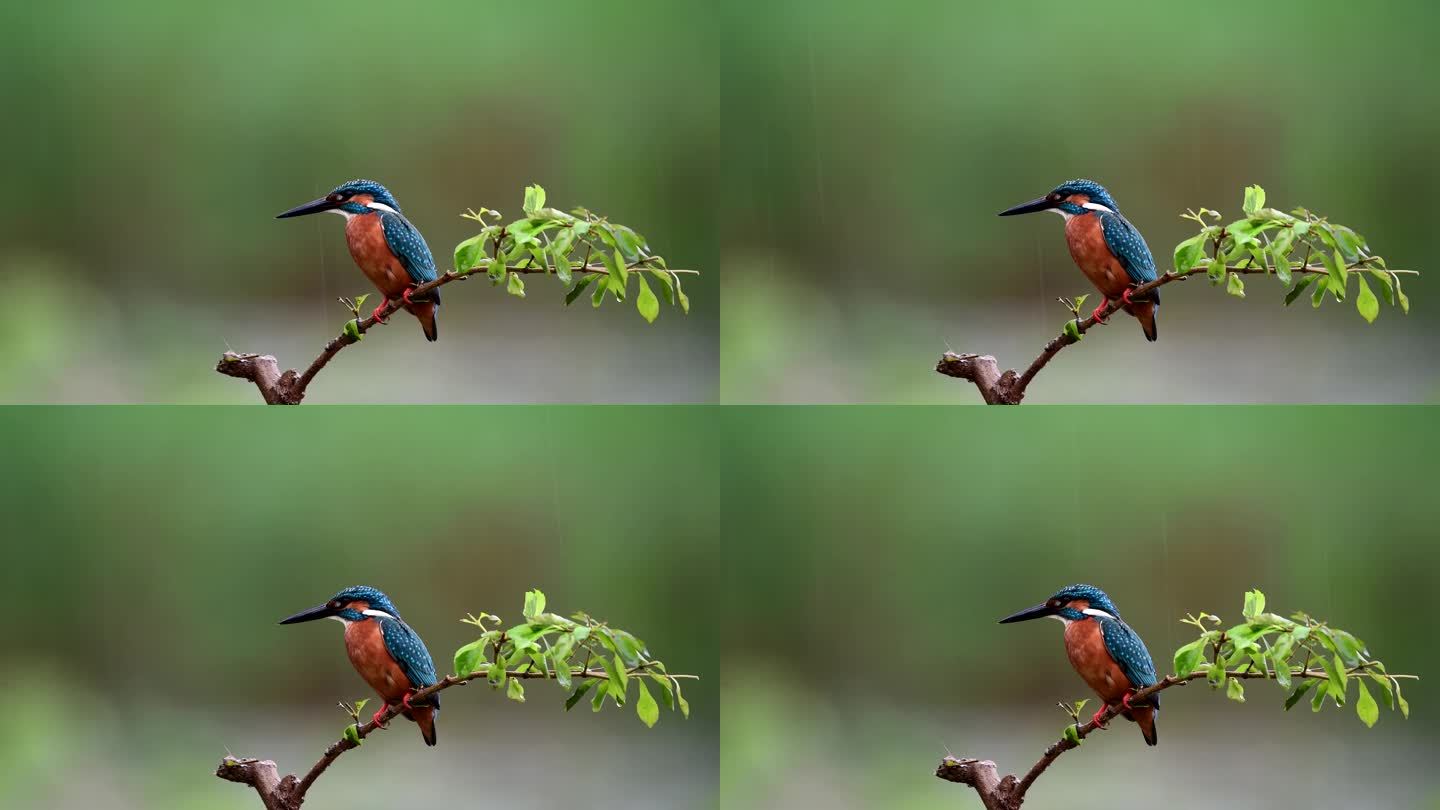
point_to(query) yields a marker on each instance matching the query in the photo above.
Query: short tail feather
(424, 717)
(1145, 719)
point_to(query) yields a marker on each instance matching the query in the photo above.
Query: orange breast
(374, 663)
(1086, 648)
(1093, 256)
(366, 237)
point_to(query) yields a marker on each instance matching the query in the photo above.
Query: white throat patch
(342, 212)
(1057, 617)
(342, 620)
(1066, 215)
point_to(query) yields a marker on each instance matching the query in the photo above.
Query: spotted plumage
(1104, 245)
(384, 650)
(386, 247)
(1105, 652)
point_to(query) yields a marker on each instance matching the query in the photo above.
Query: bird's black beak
(1042, 204)
(312, 207)
(1037, 612)
(319, 612)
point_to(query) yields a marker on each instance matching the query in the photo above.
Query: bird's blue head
(1069, 604)
(350, 605)
(1071, 198)
(349, 199)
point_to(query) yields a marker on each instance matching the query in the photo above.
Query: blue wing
(405, 646)
(407, 243)
(1125, 646)
(1129, 247)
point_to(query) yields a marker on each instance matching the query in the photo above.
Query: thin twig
(1008, 388)
(289, 388)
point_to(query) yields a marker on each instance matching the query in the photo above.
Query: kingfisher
(388, 249)
(1107, 248)
(384, 650)
(1104, 650)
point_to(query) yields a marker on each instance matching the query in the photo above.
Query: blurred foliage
(161, 137)
(881, 140)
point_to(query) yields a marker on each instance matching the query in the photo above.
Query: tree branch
(289, 388)
(1009, 388)
(1008, 793)
(289, 793)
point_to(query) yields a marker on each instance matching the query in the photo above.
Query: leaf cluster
(579, 653)
(1284, 244)
(565, 244)
(1300, 653)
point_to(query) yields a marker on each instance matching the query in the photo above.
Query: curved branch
(288, 793)
(1008, 793)
(289, 388)
(1009, 388)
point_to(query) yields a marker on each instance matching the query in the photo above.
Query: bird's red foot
(405, 701)
(405, 296)
(376, 718)
(1126, 295)
(1125, 701)
(1100, 309)
(1096, 718)
(378, 310)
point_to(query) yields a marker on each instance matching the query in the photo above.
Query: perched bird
(390, 251)
(1108, 249)
(384, 650)
(1104, 650)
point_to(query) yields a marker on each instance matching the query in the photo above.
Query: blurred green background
(151, 143)
(870, 551)
(870, 145)
(152, 551)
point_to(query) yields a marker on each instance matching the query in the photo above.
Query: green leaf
(646, 302)
(1072, 734)
(1188, 254)
(1318, 700)
(534, 200)
(352, 329)
(599, 294)
(1305, 281)
(496, 674)
(1235, 286)
(1365, 301)
(578, 693)
(1400, 294)
(1298, 693)
(1365, 707)
(534, 600)
(598, 700)
(468, 656)
(1254, 600)
(1188, 657)
(1281, 260)
(515, 286)
(645, 707)
(1254, 199)
(468, 253)
(1336, 265)
(1235, 690)
(685, 299)
(580, 285)
(1216, 675)
(1072, 329)
(1322, 283)
(560, 264)
(1216, 270)
(352, 733)
(495, 268)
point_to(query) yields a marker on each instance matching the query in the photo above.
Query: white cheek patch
(341, 619)
(378, 613)
(1057, 617)
(380, 207)
(1066, 215)
(342, 212)
(1096, 612)
(1094, 206)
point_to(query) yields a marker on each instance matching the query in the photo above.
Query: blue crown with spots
(377, 192)
(1096, 597)
(1096, 192)
(365, 593)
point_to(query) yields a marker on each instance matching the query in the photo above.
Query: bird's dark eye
(334, 604)
(335, 197)
(1055, 196)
